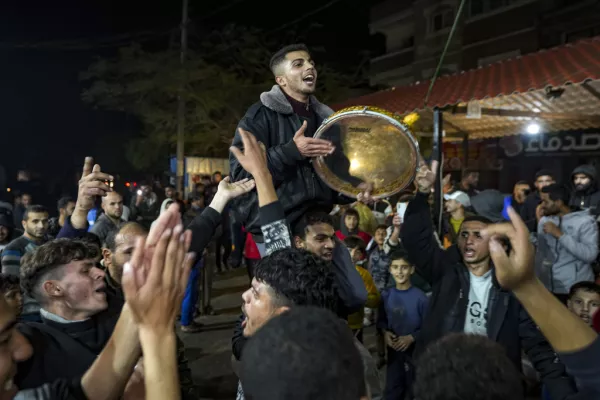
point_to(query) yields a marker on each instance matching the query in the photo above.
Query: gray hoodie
(562, 263)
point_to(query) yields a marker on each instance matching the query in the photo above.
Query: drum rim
(319, 163)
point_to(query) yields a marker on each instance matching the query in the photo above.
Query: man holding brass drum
(284, 121)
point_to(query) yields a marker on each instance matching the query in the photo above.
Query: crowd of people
(500, 298)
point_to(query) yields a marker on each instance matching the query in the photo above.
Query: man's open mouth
(469, 252)
(309, 79)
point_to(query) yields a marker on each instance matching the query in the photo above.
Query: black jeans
(223, 241)
(399, 375)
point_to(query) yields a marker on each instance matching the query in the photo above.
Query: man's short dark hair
(279, 56)
(44, 262)
(63, 202)
(544, 172)
(298, 277)
(9, 282)
(311, 218)
(477, 218)
(109, 241)
(36, 209)
(381, 226)
(454, 368)
(522, 183)
(557, 192)
(169, 186)
(355, 242)
(584, 286)
(305, 353)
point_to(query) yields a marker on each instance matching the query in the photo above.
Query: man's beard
(581, 188)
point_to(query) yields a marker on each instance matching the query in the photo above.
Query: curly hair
(46, 260)
(298, 277)
(440, 371)
(9, 282)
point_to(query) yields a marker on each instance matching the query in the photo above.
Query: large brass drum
(374, 149)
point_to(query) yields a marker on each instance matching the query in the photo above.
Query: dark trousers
(250, 263)
(223, 241)
(238, 238)
(400, 374)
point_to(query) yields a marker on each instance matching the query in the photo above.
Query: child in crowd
(584, 300)
(357, 248)
(349, 226)
(400, 316)
(10, 288)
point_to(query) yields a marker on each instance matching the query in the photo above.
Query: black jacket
(508, 323)
(528, 211)
(588, 197)
(274, 124)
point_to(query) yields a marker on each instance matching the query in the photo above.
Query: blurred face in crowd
(80, 290)
(36, 225)
(401, 270)
(258, 307)
(297, 74)
(380, 235)
(124, 245)
(14, 299)
(543, 181)
(112, 204)
(356, 254)
(4, 234)
(452, 205)
(584, 304)
(14, 348)
(169, 192)
(472, 179)
(520, 192)
(146, 190)
(68, 210)
(581, 182)
(351, 221)
(549, 206)
(473, 246)
(217, 178)
(319, 240)
(26, 200)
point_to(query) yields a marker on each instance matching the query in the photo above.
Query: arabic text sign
(585, 142)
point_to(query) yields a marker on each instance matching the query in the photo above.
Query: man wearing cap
(543, 178)
(455, 205)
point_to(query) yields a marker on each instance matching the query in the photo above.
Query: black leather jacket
(273, 123)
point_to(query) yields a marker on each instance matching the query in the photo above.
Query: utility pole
(181, 103)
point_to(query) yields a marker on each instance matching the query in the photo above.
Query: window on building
(442, 18)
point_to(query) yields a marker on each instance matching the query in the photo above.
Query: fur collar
(276, 101)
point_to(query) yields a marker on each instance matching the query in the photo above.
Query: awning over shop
(559, 88)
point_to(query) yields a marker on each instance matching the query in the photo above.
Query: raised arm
(91, 184)
(567, 334)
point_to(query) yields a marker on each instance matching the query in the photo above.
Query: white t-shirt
(479, 294)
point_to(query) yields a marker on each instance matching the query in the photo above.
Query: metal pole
(438, 129)
(181, 104)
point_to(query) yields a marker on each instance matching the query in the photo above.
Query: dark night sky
(47, 127)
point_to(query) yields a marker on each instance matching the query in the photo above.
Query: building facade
(416, 31)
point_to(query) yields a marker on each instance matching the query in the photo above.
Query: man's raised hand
(514, 269)
(254, 157)
(91, 184)
(310, 147)
(426, 176)
(235, 189)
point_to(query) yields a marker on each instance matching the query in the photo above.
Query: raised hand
(154, 294)
(235, 189)
(91, 184)
(516, 268)
(254, 157)
(426, 176)
(310, 147)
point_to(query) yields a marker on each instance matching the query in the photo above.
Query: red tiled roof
(570, 63)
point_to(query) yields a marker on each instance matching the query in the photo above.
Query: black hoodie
(589, 197)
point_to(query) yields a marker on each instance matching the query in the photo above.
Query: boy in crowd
(349, 226)
(358, 251)
(584, 300)
(10, 288)
(401, 313)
